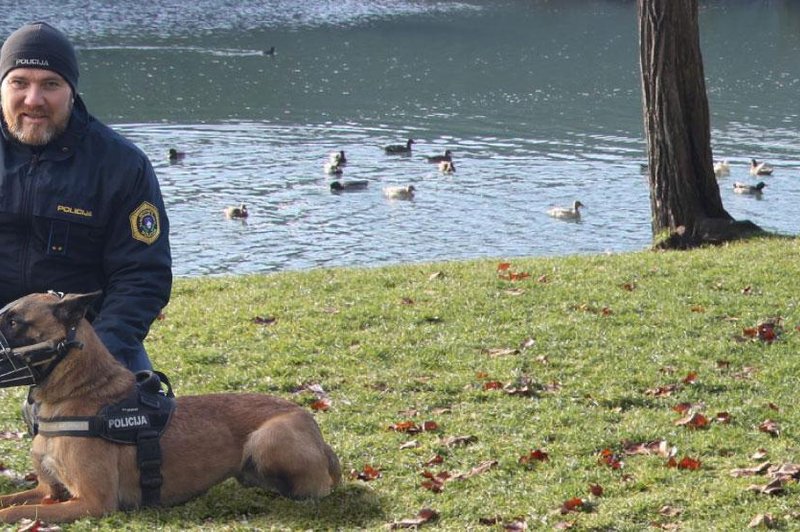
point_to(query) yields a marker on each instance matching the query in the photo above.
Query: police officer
(80, 206)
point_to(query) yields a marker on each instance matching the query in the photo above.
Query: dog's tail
(287, 454)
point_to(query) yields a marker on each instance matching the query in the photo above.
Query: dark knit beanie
(40, 45)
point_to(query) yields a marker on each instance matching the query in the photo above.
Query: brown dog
(261, 440)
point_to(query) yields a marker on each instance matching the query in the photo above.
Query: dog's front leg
(57, 512)
(31, 496)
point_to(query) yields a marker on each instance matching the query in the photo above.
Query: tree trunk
(685, 201)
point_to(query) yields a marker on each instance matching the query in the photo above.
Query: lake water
(539, 101)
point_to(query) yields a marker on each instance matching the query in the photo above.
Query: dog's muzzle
(31, 364)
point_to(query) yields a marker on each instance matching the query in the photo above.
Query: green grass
(401, 344)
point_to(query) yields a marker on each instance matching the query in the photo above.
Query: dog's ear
(71, 308)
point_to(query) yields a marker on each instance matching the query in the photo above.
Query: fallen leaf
(773, 488)
(596, 490)
(503, 266)
(723, 417)
(759, 469)
(477, 470)
(516, 525)
(453, 441)
(698, 309)
(320, 405)
(406, 301)
(572, 505)
(501, 351)
(611, 459)
(404, 426)
(367, 474)
(493, 385)
(765, 520)
(412, 444)
(654, 447)
(426, 515)
(630, 287)
(436, 460)
(264, 320)
(773, 406)
(670, 511)
(770, 427)
(662, 391)
(693, 421)
(526, 343)
(760, 454)
(690, 378)
(536, 455)
(689, 463)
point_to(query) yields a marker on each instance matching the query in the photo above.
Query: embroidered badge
(145, 224)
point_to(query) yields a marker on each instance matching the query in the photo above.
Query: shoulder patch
(145, 223)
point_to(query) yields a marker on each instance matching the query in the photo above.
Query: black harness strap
(139, 420)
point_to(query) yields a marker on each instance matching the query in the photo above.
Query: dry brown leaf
(760, 454)
(770, 427)
(760, 469)
(670, 511)
(426, 515)
(773, 488)
(477, 470)
(411, 444)
(495, 352)
(765, 520)
(453, 441)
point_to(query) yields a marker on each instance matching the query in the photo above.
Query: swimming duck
(332, 168)
(402, 192)
(447, 167)
(746, 188)
(338, 158)
(448, 156)
(566, 213)
(399, 148)
(175, 155)
(236, 212)
(271, 51)
(722, 168)
(759, 168)
(348, 186)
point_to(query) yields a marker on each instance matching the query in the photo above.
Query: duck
(270, 51)
(399, 148)
(234, 212)
(338, 158)
(448, 156)
(759, 168)
(348, 186)
(722, 168)
(746, 188)
(175, 155)
(567, 213)
(447, 167)
(399, 192)
(332, 168)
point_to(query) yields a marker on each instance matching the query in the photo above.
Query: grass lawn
(612, 392)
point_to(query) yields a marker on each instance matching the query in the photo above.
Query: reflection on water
(539, 102)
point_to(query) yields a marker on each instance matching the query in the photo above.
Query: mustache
(34, 112)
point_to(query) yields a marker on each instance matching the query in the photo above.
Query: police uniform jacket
(85, 213)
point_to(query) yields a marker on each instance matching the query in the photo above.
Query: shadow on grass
(350, 506)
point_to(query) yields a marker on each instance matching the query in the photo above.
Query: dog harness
(140, 419)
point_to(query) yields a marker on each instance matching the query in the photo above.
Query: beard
(36, 134)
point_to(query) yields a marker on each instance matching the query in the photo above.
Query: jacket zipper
(27, 210)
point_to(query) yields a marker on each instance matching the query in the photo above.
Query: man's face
(36, 104)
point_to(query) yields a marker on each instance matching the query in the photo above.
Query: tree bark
(685, 201)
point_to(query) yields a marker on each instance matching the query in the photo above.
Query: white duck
(399, 192)
(236, 212)
(332, 168)
(447, 167)
(567, 213)
(338, 158)
(722, 168)
(746, 188)
(759, 168)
